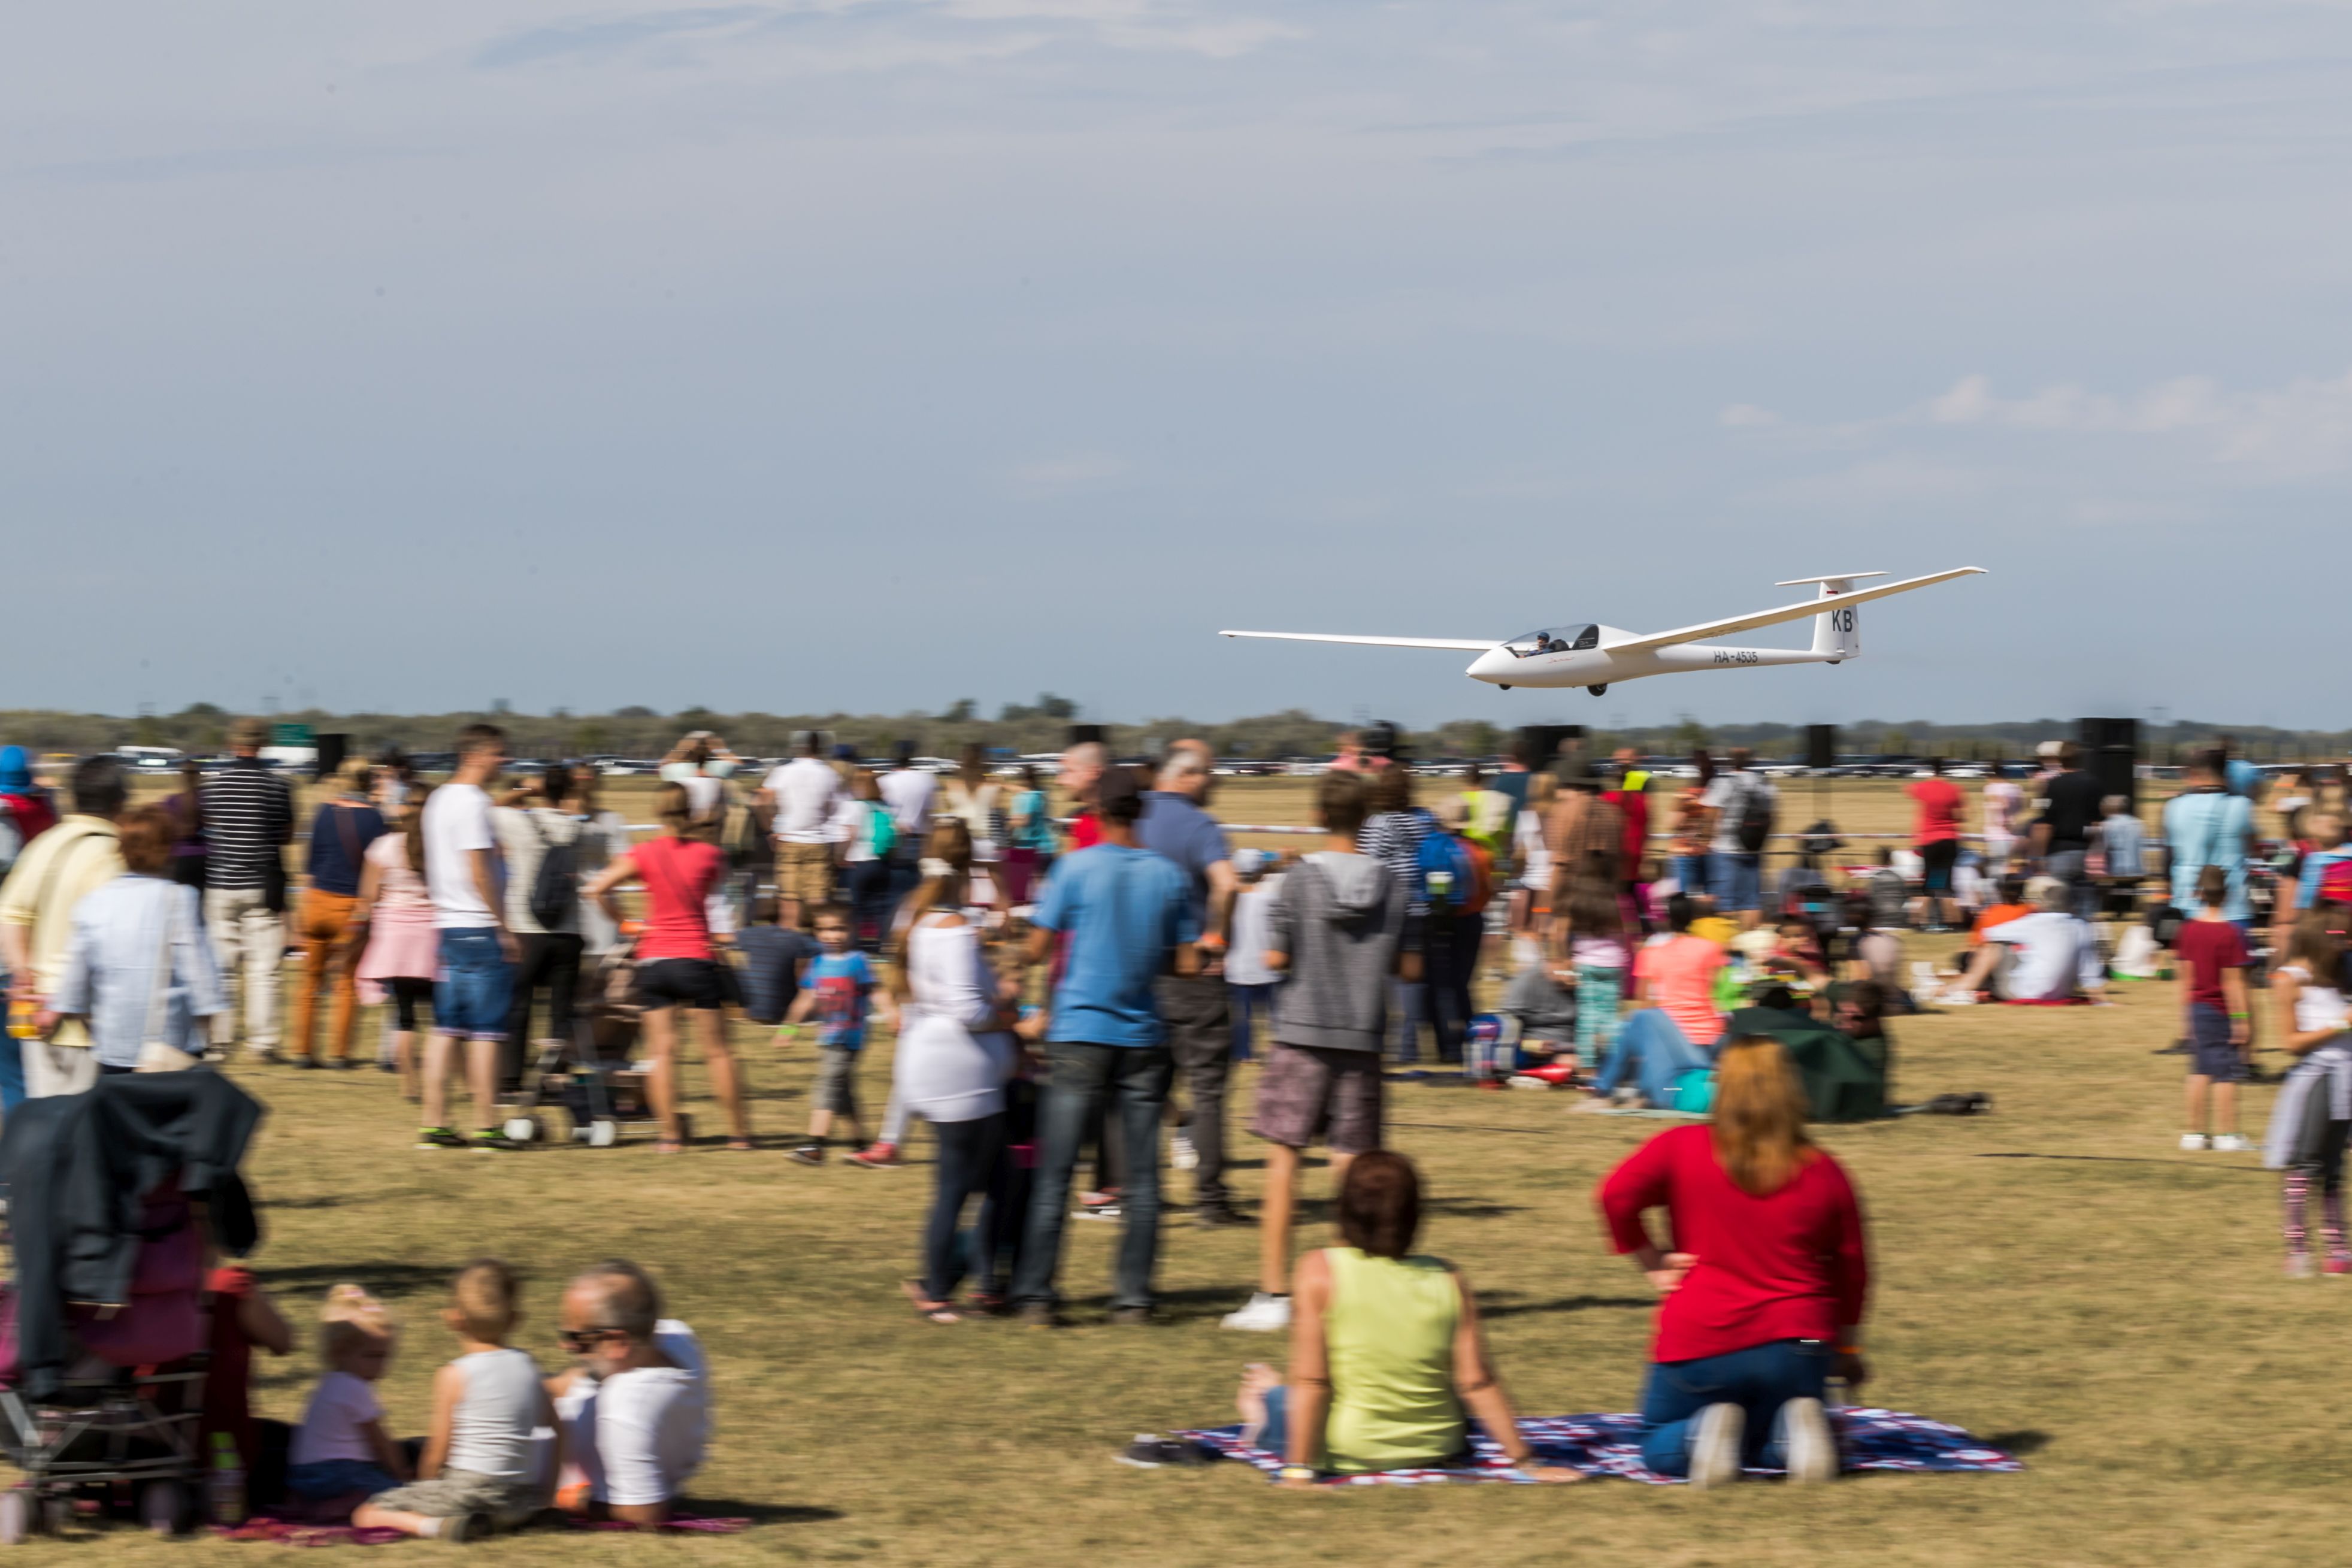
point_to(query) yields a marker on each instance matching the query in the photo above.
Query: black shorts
(2211, 1053)
(699, 983)
(1936, 860)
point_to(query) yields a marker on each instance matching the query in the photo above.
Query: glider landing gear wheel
(1600, 690)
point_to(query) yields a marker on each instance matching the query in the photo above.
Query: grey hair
(1184, 760)
(626, 1296)
(1087, 753)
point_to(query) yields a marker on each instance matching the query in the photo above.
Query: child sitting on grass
(774, 949)
(2216, 1014)
(839, 986)
(481, 1469)
(340, 1448)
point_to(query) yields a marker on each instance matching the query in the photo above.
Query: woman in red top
(676, 965)
(1764, 1291)
(1937, 837)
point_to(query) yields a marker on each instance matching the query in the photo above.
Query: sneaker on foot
(807, 1154)
(1037, 1315)
(1264, 1314)
(2192, 1142)
(1130, 1317)
(1809, 1447)
(1099, 1211)
(438, 1138)
(2298, 1266)
(1219, 1216)
(1715, 1446)
(491, 1140)
(1182, 1154)
(465, 1527)
(876, 1157)
(2337, 1266)
(2232, 1143)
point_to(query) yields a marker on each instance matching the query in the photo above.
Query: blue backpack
(1443, 853)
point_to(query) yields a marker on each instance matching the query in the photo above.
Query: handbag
(156, 1053)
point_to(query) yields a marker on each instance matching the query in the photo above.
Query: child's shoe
(807, 1154)
(2338, 1266)
(2232, 1143)
(2191, 1143)
(876, 1157)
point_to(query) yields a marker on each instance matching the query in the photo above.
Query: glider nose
(1492, 665)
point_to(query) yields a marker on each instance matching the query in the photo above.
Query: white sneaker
(2232, 1143)
(2192, 1142)
(1264, 1314)
(1809, 1447)
(1714, 1458)
(1182, 1154)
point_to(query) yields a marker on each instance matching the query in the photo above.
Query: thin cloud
(1052, 478)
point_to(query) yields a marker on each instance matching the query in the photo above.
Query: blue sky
(872, 353)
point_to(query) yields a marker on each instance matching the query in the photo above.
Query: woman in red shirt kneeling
(1765, 1288)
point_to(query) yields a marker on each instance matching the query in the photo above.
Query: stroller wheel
(525, 1128)
(16, 1516)
(602, 1133)
(163, 1507)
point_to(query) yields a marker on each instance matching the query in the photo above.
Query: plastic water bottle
(225, 1487)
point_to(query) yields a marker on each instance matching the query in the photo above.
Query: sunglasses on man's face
(578, 1339)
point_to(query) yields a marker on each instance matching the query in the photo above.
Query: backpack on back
(1754, 828)
(1445, 870)
(2336, 880)
(555, 887)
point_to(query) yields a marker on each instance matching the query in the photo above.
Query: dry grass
(2055, 1276)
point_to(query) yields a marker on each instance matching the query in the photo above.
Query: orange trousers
(331, 943)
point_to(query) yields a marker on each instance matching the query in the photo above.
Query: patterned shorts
(1310, 1091)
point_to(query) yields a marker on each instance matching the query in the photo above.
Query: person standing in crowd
(138, 972)
(1764, 1294)
(404, 945)
(1195, 1007)
(250, 814)
(1693, 828)
(604, 837)
(190, 848)
(978, 801)
(2217, 1015)
(26, 808)
(1936, 834)
(2121, 853)
(676, 965)
(955, 1053)
(1031, 851)
(474, 987)
(1335, 934)
(869, 836)
(56, 870)
(2310, 1119)
(1082, 769)
(396, 792)
(539, 838)
(1459, 878)
(1740, 802)
(1127, 912)
(1632, 798)
(2004, 808)
(1531, 852)
(1392, 835)
(1488, 814)
(2206, 825)
(804, 792)
(908, 790)
(2062, 834)
(2239, 776)
(333, 922)
(1249, 984)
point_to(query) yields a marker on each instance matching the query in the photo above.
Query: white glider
(1596, 656)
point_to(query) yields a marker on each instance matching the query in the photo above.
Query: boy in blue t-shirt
(839, 987)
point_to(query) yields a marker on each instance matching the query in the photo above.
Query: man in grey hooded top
(1335, 935)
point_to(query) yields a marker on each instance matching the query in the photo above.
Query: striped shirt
(249, 813)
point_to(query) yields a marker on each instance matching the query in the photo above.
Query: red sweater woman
(1764, 1287)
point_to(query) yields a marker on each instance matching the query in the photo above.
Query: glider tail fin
(1837, 630)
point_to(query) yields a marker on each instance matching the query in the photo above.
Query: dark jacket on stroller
(78, 1169)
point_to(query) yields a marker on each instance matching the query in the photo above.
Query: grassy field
(2055, 1277)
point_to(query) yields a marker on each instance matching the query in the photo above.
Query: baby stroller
(591, 1075)
(114, 1196)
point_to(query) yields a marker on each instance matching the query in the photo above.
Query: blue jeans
(1651, 1049)
(12, 1073)
(1275, 1437)
(1408, 999)
(1248, 1004)
(1134, 1080)
(1738, 879)
(2069, 866)
(1760, 1380)
(476, 989)
(1690, 875)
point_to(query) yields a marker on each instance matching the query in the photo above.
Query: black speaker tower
(1821, 747)
(2110, 754)
(332, 749)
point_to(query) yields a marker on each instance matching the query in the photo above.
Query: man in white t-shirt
(477, 952)
(1738, 796)
(803, 793)
(636, 1410)
(2052, 956)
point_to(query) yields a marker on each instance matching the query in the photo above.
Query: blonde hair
(350, 1318)
(1758, 1116)
(1542, 788)
(483, 1294)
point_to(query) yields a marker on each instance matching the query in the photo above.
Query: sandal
(933, 1312)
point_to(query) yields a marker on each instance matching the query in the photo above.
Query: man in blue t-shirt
(1197, 1008)
(2205, 825)
(1129, 920)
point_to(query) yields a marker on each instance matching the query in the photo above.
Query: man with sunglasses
(637, 1409)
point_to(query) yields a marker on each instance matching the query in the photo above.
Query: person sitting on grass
(840, 987)
(2051, 955)
(1671, 1036)
(636, 1412)
(480, 1469)
(342, 1448)
(1387, 1362)
(1764, 1300)
(2217, 1015)
(1336, 934)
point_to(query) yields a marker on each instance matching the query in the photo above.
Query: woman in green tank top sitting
(1387, 1363)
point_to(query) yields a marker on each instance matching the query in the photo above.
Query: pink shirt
(1680, 976)
(678, 874)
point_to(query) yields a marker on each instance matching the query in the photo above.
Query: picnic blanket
(298, 1532)
(1869, 1439)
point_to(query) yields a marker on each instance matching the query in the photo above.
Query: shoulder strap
(162, 982)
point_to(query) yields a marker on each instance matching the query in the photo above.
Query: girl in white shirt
(2312, 1119)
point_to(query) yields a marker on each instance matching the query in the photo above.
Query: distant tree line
(1043, 726)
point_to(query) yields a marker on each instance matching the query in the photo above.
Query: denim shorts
(2212, 1054)
(1737, 878)
(476, 984)
(327, 1478)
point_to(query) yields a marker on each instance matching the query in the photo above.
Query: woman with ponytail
(955, 1053)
